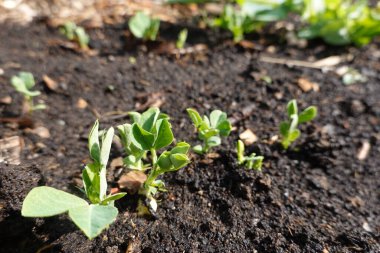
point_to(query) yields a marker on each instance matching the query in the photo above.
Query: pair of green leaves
(46, 202)
(90, 218)
(23, 83)
(250, 162)
(75, 33)
(288, 129)
(144, 27)
(210, 130)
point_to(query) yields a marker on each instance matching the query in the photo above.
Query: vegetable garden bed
(321, 195)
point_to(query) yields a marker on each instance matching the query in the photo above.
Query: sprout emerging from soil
(250, 162)
(23, 83)
(182, 37)
(210, 130)
(92, 218)
(150, 132)
(75, 33)
(144, 27)
(288, 129)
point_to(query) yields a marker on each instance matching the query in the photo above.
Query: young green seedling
(182, 36)
(23, 83)
(149, 132)
(144, 27)
(91, 218)
(250, 162)
(75, 33)
(210, 130)
(288, 129)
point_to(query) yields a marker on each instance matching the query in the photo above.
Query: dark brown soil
(317, 197)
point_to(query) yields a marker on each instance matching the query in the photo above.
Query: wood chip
(364, 150)
(248, 137)
(50, 83)
(81, 103)
(116, 163)
(307, 85)
(10, 149)
(6, 100)
(41, 131)
(132, 181)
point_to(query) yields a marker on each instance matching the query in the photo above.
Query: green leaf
(216, 117)
(164, 134)
(224, 128)
(181, 40)
(194, 116)
(91, 182)
(106, 146)
(138, 24)
(113, 197)
(284, 128)
(291, 108)
(135, 116)
(148, 119)
(20, 86)
(28, 79)
(308, 114)
(180, 148)
(164, 161)
(93, 219)
(46, 201)
(93, 142)
(198, 149)
(179, 160)
(83, 38)
(141, 138)
(294, 135)
(240, 151)
(39, 107)
(213, 141)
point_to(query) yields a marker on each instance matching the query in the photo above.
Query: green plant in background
(149, 132)
(144, 27)
(75, 33)
(250, 162)
(340, 22)
(210, 130)
(182, 37)
(288, 129)
(23, 83)
(234, 20)
(91, 218)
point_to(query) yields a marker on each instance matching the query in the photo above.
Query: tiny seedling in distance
(250, 162)
(210, 130)
(92, 218)
(144, 27)
(23, 83)
(182, 37)
(289, 129)
(75, 33)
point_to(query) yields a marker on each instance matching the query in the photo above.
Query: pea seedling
(75, 33)
(144, 27)
(23, 83)
(182, 37)
(91, 218)
(150, 132)
(288, 129)
(250, 162)
(210, 130)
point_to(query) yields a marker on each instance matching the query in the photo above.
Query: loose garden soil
(316, 197)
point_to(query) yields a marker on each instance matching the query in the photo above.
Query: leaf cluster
(149, 132)
(341, 22)
(210, 129)
(143, 26)
(250, 162)
(90, 218)
(75, 33)
(289, 129)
